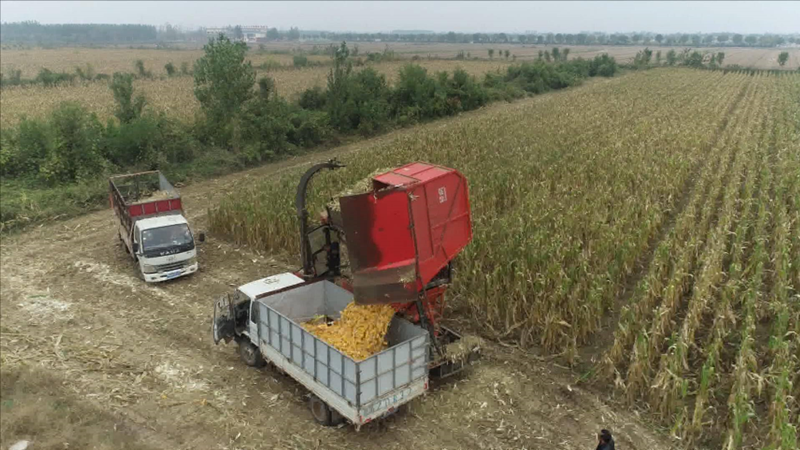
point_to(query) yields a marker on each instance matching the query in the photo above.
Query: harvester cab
(401, 237)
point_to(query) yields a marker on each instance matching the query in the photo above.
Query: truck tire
(250, 354)
(320, 411)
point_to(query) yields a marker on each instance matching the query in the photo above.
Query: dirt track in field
(122, 361)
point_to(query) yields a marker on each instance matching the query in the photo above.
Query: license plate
(175, 274)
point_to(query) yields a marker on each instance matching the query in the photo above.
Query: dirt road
(92, 357)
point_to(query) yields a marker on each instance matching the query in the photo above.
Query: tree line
(654, 39)
(33, 33)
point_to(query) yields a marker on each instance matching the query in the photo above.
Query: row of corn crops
(710, 338)
(668, 197)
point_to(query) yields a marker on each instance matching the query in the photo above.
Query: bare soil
(92, 357)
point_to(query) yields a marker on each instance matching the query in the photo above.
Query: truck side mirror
(201, 237)
(135, 247)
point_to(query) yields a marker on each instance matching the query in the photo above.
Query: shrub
(266, 88)
(13, 78)
(416, 95)
(64, 147)
(128, 107)
(313, 99)
(672, 57)
(782, 58)
(170, 68)
(263, 127)
(150, 141)
(49, 78)
(87, 74)
(309, 128)
(466, 90)
(141, 70)
(605, 66)
(185, 68)
(300, 61)
(694, 59)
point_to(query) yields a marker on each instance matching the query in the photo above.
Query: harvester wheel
(320, 410)
(250, 354)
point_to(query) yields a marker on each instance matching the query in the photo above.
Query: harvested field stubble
(632, 182)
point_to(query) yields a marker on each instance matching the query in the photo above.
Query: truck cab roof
(160, 221)
(266, 285)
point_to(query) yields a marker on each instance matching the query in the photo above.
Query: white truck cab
(164, 247)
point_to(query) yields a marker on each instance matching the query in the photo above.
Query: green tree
(751, 39)
(720, 57)
(658, 57)
(128, 108)
(74, 152)
(294, 34)
(556, 54)
(273, 34)
(694, 59)
(223, 80)
(782, 58)
(491, 53)
(672, 57)
(141, 70)
(338, 86)
(507, 54)
(659, 38)
(237, 33)
(170, 68)
(737, 39)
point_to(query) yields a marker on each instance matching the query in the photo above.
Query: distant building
(254, 33)
(250, 33)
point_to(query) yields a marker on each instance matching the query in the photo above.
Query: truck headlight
(147, 268)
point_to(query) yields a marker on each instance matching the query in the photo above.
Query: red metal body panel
(155, 207)
(401, 235)
(128, 209)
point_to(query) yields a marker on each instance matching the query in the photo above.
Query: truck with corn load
(401, 236)
(151, 225)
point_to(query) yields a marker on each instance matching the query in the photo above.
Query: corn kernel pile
(359, 333)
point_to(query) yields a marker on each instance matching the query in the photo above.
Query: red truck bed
(142, 194)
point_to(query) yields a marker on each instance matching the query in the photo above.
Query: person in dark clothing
(605, 441)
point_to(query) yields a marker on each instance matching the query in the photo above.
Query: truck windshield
(172, 237)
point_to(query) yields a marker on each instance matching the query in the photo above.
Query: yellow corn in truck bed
(359, 333)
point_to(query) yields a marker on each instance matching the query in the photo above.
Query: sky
(565, 17)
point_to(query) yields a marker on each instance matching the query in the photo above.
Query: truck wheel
(320, 410)
(250, 354)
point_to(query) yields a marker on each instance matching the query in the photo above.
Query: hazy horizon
(486, 17)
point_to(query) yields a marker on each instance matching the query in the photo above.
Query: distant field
(762, 58)
(110, 60)
(175, 95)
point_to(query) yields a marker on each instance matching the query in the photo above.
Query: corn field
(669, 199)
